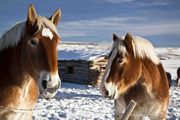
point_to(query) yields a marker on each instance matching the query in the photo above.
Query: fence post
(129, 110)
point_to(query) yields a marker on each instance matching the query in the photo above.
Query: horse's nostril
(44, 84)
(106, 93)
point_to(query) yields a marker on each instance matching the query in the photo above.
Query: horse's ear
(128, 42)
(56, 17)
(115, 37)
(32, 15)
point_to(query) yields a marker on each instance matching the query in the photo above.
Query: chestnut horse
(134, 72)
(178, 77)
(28, 65)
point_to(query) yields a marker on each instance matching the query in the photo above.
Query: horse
(134, 72)
(169, 78)
(28, 65)
(178, 77)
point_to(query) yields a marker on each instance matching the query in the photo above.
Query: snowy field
(83, 102)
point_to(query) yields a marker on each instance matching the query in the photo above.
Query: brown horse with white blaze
(28, 65)
(134, 72)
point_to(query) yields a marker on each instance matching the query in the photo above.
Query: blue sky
(96, 20)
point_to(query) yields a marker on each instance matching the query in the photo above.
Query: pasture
(77, 102)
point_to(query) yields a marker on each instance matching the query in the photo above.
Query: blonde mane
(144, 49)
(13, 36)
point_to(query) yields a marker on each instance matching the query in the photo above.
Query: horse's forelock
(121, 47)
(43, 22)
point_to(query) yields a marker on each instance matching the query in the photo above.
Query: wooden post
(129, 110)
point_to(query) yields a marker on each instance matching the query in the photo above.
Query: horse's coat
(134, 72)
(28, 65)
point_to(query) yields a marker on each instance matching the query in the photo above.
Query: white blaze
(110, 86)
(47, 33)
(118, 46)
(108, 66)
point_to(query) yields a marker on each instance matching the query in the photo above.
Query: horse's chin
(47, 95)
(117, 95)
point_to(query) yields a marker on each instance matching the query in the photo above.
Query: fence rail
(129, 110)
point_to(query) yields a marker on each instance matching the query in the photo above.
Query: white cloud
(138, 3)
(72, 33)
(119, 1)
(155, 3)
(104, 27)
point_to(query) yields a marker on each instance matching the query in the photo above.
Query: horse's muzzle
(49, 92)
(108, 90)
(49, 85)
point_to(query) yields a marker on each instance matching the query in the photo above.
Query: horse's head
(40, 51)
(123, 68)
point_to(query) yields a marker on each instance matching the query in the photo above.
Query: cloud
(154, 3)
(119, 1)
(72, 33)
(106, 26)
(137, 3)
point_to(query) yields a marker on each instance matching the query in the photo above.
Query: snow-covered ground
(83, 102)
(83, 51)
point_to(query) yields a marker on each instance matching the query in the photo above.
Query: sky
(96, 20)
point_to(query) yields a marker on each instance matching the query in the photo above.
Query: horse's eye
(119, 60)
(33, 42)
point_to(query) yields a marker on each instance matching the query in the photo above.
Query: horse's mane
(13, 35)
(144, 49)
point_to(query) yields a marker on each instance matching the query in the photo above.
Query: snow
(75, 102)
(81, 51)
(83, 102)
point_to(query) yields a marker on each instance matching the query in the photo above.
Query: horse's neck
(14, 82)
(150, 75)
(149, 69)
(30, 91)
(11, 69)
